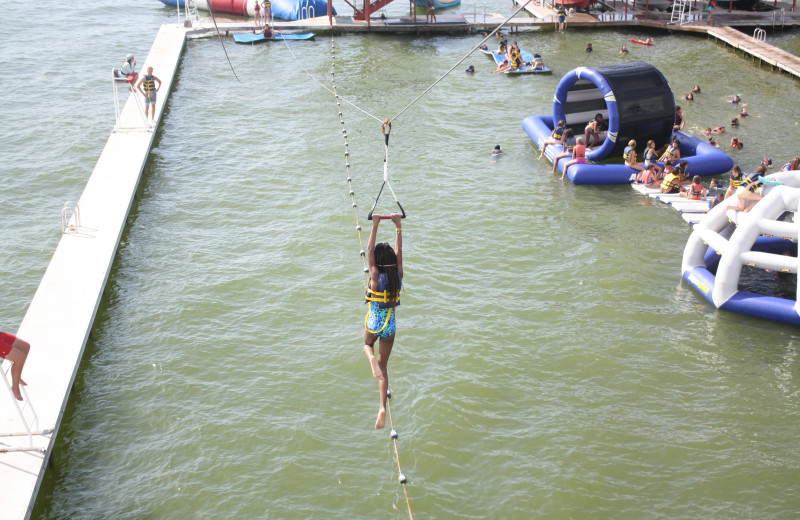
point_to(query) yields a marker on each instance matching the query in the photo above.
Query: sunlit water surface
(549, 363)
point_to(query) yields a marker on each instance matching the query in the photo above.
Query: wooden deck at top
(544, 16)
(764, 52)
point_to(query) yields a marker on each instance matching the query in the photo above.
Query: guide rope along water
(386, 127)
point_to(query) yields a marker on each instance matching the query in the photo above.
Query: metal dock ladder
(680, 10)
(27, 416)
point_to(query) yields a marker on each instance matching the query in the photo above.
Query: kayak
(259, 37)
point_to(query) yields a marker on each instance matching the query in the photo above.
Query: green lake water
(550, 362)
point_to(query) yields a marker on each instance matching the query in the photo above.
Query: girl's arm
(373, 269)
(398, 242)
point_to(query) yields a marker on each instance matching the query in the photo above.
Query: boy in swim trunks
(16, 351)
(383, 296)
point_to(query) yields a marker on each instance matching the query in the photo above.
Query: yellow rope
(400, 473)
(401, 476)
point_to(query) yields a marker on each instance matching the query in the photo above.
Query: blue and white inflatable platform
(765, 238)
(637, 102)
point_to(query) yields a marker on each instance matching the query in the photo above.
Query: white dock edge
(61, 314)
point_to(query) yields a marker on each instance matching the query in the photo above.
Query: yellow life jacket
(751, 182)
(667, 183)
(381, 297)
(149, 83)
(629, 154)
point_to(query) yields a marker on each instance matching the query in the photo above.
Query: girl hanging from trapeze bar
(383, 296)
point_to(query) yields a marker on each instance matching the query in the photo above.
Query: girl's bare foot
(381, 422)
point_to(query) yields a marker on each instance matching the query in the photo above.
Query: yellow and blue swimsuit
(381, 317)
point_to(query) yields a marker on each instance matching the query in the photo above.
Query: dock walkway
(692, 211)
(758, 50)
(61, 314)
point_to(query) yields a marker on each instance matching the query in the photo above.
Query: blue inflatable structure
(299, 9)
(636, 101)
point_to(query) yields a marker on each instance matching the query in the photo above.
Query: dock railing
(117, 80)
(27, 416)
(679, 9)
(775, 17)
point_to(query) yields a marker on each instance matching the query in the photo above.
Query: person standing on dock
(710, 7)
(430, 11)
(383, 296)
(16, 351)
(562, 17)
(267, 12)
(147, 86)
(257, 10)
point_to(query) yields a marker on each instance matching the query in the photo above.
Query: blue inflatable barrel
(635, 99)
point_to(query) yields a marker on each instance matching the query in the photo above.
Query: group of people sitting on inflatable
(513, 55)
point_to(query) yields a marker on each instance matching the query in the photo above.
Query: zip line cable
(386, 127)
(315, 80)
(467, 55)
(219, 36)
(401, 476)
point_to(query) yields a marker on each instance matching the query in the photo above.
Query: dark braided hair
(386, 262)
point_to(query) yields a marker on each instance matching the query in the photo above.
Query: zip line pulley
(387, 129)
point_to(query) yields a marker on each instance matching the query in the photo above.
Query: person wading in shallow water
(383, 297)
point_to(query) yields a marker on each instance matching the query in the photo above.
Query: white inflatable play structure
(763, 238)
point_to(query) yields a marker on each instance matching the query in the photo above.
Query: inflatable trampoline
(765, 239)
(636, 101)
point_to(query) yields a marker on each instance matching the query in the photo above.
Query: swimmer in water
(497, 151)
(696, 89)
(736, 99)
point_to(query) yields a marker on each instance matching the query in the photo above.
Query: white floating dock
(61, 314)
(692, 211)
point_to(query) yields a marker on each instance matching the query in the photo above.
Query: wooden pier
(541, 15)
(777, 59)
